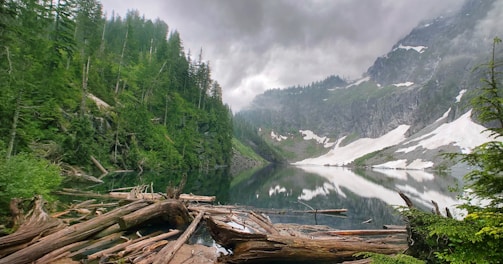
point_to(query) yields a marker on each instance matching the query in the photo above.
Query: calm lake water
(367, 194)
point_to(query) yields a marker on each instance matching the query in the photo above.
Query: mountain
(416, 93)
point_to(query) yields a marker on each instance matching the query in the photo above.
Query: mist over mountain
(423, 82)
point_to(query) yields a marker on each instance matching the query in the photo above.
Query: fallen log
(59, 253)
(173, 211)
(37, 224)
(137, 196)
(197, 198)
(266, 225)
(138, 246)
(327, 211)
(366, 232)
(73, 192)
(167, 253)
(260, 248)
(69, 235)
(104, 171)
(107, 231)
(116, 248)
(394, 227)
(98, 243)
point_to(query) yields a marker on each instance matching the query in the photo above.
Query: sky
(256, 45)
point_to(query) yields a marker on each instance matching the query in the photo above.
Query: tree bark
(173, 211)
(15, 119)
(69, 235)
(168, 252)
(262, 248)
(38, 223)
(99, 166)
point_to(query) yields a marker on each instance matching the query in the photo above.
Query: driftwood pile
(112, 233)
(253, 238)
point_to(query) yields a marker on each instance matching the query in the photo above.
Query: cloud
(256, 45)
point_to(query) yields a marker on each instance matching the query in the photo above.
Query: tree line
(122, 90)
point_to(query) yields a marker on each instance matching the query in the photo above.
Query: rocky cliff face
(414, 84)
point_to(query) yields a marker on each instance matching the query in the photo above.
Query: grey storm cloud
(255, 45)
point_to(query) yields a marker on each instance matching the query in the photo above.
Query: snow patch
(278, 138)
(419, 164)
(308, 135)
(462, 132)
(366, 79)
(405, 84)
(461, 93)
(392, 164)
(419, 49)
(445, 115)
(340, 156)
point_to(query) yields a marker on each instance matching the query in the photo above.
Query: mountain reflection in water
(283, 191)
(367, 194)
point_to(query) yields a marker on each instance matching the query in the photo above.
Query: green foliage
(245, 132)
(362, 161)
(23, 176)
(489, 103)
(120, 90)
(486, 180)
(246, 150)
(386, 259)
(477, 238)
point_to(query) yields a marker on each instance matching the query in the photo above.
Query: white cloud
(256, 45)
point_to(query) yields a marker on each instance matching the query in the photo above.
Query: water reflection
(368, 194)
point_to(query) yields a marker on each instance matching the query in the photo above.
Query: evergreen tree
(120, 90)
(478, 237)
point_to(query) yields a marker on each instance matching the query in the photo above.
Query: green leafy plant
(386, 259)
(23, 176)
(477, 238)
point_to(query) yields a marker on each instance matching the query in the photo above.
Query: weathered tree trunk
(69, 235)
(262, 248)
(173, 211)
(15, 119)
(121, 60)
(38, 223)
(295, 249)
(168, 252)
(99, 166)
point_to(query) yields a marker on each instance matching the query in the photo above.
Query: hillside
(421, 86)
(80, 89)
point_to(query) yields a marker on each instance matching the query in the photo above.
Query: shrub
(23, 176)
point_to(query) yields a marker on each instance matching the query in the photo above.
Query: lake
(284, 191)
(367, 194)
